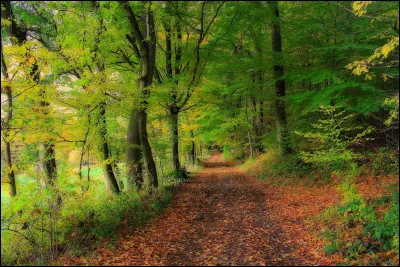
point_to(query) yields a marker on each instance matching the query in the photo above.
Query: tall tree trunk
(248, 133)
(48, 161)
(6, 130)
(173, 106)
(147, 153)
(280, 87)
(147, 69)
(46, 148)
(175, 140)
(175, 145)
(14, 31)
(261, 112)
(134, 172)
(108, 172)
(137, 131)
(5, 124)
(193, 149)
(10, 171)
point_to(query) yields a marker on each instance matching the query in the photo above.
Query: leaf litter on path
(223, 217)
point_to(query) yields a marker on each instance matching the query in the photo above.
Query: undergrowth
(36, 228)
(290, 170)
(363, 230)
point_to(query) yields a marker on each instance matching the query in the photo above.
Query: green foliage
(356, 229)
(392, 104)
(332, 140)
(384, 162)
(385, 232)
(341, 78)
(369, 99)
(84, 218)
(278, 170)
(227, 152)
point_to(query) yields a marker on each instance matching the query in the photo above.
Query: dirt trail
(220, 217)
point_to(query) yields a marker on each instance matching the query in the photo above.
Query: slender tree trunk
(46, 148)
(175, 145)
(261, 112)
(109, 175)
(248, 134)
(10, 171)
(6, 128)
(193, 149)
(280, 87)
(16, 32)
(108, 171)
(173, 106)
(147, 153)
(48, 162)
(46, 151)
(175, 141)
(117, 173)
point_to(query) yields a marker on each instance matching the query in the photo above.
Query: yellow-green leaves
(380, 54)
(5, 22)
(358, 67)
(389, 47)
(393, 104)
(360, 7)
(363, 67)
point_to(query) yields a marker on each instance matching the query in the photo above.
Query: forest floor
(222, 217)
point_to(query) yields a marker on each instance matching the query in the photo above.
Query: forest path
(220, 217)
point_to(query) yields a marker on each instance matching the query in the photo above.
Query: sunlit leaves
(393, 104)
(360, 7)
